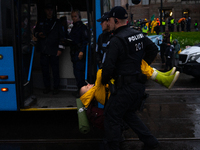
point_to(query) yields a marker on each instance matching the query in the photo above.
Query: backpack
(95, 115)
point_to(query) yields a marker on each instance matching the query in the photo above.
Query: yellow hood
(99, 96)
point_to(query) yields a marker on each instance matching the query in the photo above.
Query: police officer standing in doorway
(125, 51)
(50, 35)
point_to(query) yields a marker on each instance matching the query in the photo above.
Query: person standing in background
(79, 36)
(177, 26)
(196, 25)
(176, 50)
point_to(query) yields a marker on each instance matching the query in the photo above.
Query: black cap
(118, 12)
(104, 17)
(49, 5)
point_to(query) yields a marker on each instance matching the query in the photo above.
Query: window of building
(145, 2)
(130, 3)
(117, 2)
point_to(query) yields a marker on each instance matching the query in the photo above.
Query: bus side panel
(8, 101)
(98, 15)
(7, 63)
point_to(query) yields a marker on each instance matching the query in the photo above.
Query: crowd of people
(157, 26)
(168, 49)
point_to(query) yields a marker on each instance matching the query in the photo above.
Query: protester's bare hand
(80, 55)
(59, 53)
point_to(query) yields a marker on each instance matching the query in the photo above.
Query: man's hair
(77, 11)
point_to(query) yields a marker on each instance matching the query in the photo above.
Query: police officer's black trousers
(172, 28)
(52, 61)
(122, 106)
(162, 52)
(79, 73)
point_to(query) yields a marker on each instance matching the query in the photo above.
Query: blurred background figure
(196, 25)
(177, 26)
(63, 21)
(176, 50)
(188, 24)
(163, 25)
(169, 52)
(157, 29)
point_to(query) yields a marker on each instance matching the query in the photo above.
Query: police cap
(103, 18)
(118, 12)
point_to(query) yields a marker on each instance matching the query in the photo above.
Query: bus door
(27, 21)
(8, 94)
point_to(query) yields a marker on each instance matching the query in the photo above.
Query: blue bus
(20, 73)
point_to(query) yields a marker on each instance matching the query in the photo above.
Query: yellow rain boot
(167, 81)
(168, 73)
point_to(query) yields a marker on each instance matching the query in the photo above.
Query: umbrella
(182, 19)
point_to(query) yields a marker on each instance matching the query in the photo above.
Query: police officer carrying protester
(125, 51)
(79, 37)
(102, 40)
(50, 35)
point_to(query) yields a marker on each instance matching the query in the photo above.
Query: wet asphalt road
(173, 116)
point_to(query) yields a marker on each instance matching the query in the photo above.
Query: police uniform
(172, 24)
(48, 47)
(79, 36)
(126, 50)
(102, 42)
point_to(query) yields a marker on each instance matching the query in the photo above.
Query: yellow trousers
(99, 90)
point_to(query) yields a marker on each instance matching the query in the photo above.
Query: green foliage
(185, 38)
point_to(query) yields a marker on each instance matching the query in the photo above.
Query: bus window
(6, 29)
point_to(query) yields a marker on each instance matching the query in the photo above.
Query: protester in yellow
(153, 24)
(98, 90)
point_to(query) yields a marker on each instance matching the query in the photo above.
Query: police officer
(102, 40)
(50, 35)
(172, 24)
(79, 36)
(125, 51)
(163, 26)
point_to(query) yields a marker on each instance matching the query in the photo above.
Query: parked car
(189, 61)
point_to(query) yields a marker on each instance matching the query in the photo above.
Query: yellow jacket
(100, 95)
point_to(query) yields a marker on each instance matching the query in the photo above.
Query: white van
(189, 61)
